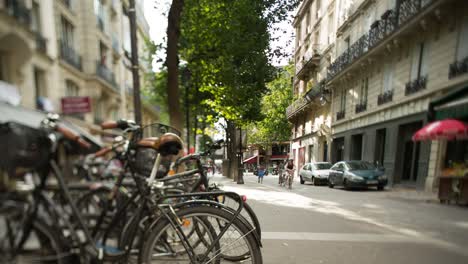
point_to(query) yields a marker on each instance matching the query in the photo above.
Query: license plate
(372, 182)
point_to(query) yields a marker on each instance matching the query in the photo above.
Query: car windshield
(360, 165)
(323, 166)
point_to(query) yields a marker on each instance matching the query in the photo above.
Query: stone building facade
(392, 59)
(53, 49)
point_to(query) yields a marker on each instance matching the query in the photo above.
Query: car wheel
(302, 180)
(345, 184)
(380, 187)
(314, 181)
(330, 184)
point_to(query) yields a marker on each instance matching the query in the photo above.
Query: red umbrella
(444, 129)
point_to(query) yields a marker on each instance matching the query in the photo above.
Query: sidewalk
(398, 192)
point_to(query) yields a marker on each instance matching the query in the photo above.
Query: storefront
(448, 129)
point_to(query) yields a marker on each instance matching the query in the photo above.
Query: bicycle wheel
(250, 217)
(163, 246)
(43, 244)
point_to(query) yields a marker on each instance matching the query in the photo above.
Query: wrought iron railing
(390, 21)
(458, 68)
(296, 106)
(41, 43)
(385, 97)
(340, 115)
(361, 107)
(310, 57)
(416, 85)
(106, 74)
(18, 10)
(69, 55)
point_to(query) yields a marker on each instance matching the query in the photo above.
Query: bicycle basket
(23, 146)
(143, 160)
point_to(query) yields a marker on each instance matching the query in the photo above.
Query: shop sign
(76, 105)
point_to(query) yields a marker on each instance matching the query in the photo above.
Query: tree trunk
(172, 62)
(233, 166)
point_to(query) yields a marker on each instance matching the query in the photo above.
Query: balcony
(69, 55)
(458, 68)
(18, 10)
(308, 62)
(416, 85)
(391, 21)
(385, 97)
(296, 106)
(361, 107)
(340, 115)
(106, 74)
(316, 92)
(41, 43)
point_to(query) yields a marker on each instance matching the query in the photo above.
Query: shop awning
(453, 105)
(251, 160)
(449, 129)
(34, 118)
(279, 157)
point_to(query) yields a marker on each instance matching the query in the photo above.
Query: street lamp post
(134, 59)
(240, 175)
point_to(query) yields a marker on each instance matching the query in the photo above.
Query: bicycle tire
(48, 240)
(205, 211)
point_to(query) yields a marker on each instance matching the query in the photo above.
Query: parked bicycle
(154, 224)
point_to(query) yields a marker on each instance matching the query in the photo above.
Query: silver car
(315, 172)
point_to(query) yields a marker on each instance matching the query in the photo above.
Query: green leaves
(274, 126)
(226, 46)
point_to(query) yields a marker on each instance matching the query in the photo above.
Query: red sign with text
(76, 105)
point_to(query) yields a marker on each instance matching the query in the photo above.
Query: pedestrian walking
(289, 168)
(260, 174)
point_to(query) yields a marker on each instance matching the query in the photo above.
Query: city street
(316, 224)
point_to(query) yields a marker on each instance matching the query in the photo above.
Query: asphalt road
(316, 224)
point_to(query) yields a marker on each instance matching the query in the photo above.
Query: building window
(388, 76)
(364, 90)
(343, 100)
(419, 64)
(299, 34)
(330, 28)
(3, 69)
(100, 12)
(462, 48)
(103, 50)
(98, 118)
(318, 6)
(36, 18)
(71, 89)
(67, 33)
(39, 86)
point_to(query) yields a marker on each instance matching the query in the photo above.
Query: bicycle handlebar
(103, 152)
(120, 124)
(71, 135)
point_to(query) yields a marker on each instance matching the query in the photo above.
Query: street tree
(227, 48)
(274, 126)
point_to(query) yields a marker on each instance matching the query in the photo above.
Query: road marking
(340, 237)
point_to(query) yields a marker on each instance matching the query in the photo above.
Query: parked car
(357, 174)
(315, 172)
